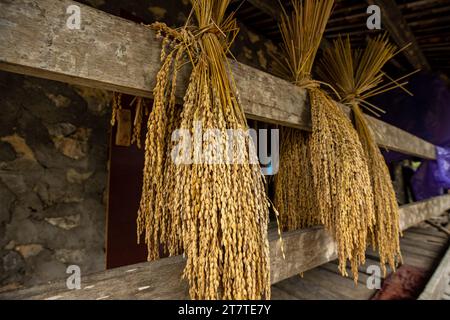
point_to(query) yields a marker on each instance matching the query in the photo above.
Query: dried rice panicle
(214, 213)
(356, 76)
(293, 185)
(301, 32)
(342, 199)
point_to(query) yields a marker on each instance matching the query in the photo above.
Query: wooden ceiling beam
(269, 7)
(398, 28)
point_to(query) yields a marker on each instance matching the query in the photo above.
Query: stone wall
(53, 160)
(53, 174)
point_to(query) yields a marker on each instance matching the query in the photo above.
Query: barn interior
(71, 180)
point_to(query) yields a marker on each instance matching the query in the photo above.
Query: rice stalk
(294, 195)
(356, 75)
(331, 156)
(216, 214)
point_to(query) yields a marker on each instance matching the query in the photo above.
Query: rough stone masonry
(53, 174)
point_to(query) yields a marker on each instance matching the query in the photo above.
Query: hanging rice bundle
(294, 195)
(356, 76)
(140, 107)
(206, 198)
(343, 199)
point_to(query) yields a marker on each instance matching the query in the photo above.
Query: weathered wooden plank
(309, 248)
(428, 231)
(279, 294)
(306, 290)
(400, 140)
(407, 248)
(425, 238)
(162, 278)
(417, 261)
(412, 214)
(329, 278)
(304, 250)
(433, 247)
(338, 284)
(115, 54)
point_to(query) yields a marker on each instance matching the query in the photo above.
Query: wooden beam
(400, 140)
(304, 250)
(395, 23)
(115, 54)
(155, 280)
(412, 214)
(309, 248)
(269, 7)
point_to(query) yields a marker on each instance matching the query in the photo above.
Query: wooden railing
(304, 250)
(115, 54)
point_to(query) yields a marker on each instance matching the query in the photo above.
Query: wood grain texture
(304, 250)
(115, 54)
(400, 140)
(326, 281)
(412, 214)
(156, 280)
